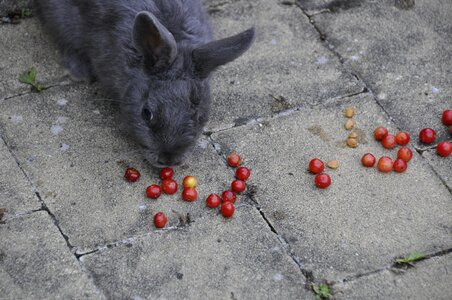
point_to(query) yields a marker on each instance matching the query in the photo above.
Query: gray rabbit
(154, 56)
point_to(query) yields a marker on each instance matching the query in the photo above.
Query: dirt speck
(361, 136)
(279, 104)
(279, 215)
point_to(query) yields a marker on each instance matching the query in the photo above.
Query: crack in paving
(46, 209)
(282, 113)
(330, 47)
(254, 203)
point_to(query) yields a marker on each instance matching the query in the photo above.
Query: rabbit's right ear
(154, 41)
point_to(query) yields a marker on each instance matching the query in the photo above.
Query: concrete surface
(365, 218)
(287, 60)
(429, 279)
(400, 54)
(75, 229)
(16, 192)
(210, 259)
(35, 262)
(9, 6)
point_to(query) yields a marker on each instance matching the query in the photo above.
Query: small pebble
(350, 112)
(350, 124)
(333, 164)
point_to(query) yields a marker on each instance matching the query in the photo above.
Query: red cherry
(234, 160)
(169, 186)
(154, 191)
(160, 220)
(213, 200)
(444, 149)
(190, 182)
(227, 209)
(228, 196)
(132, 175)
(368, 160)
(316, 166)
(402, 138)
(242, 173)
(389, 141)
(399, 165)
(322, 181)
(189, 194)
(380, 133)
(385, 164)
(447, 117)
(427, 135)
(405, 154)
(166, 173)
(238, 186)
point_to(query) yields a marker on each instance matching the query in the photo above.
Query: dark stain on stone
(128, 245)
(279, 215)
(404, 4)
(318, 131)
(2, 214)
(2, 256)
(179, 276)
(338, 5)
(290, 174)
(362, 138)
(242, 121)
(341, 144)
(280, 104)
(218, 240)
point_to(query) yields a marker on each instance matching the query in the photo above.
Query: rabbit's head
(169, 105)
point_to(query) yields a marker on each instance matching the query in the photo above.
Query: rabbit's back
(95, 37)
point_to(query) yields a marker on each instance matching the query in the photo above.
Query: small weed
(413, 257)
(29, 77)
(321, 290)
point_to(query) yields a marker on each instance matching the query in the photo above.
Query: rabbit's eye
(148, 116)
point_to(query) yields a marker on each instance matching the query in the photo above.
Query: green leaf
(414, 256)
(25, 12)
(321, 290)
(28, 77)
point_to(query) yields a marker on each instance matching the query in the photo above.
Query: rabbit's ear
(154, 41)
(210, 56)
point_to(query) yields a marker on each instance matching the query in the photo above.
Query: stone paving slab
(286, 60)
(25, 46)
(365, 218)
(214, 258)
(441, 165)
(401, 54)
(16, 193)
(74, 152)
(430, 279)
(8, 6)
(35, 262)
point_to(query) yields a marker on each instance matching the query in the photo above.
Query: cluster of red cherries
(404, 154)
(321, 180)
(169, 186)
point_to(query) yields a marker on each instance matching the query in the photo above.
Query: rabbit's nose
(167, 159)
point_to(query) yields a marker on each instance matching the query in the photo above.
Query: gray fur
(154, 57)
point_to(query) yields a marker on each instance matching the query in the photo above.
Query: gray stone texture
(211, 259)
(401, 54)
(35, 262)
(16, 193)
(365, 218)
(286, 60)
(8, 6)
(24, 46)
(441, 165)
(430, 279)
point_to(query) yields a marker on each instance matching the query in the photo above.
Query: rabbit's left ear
(154, 41)
(210, 56)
